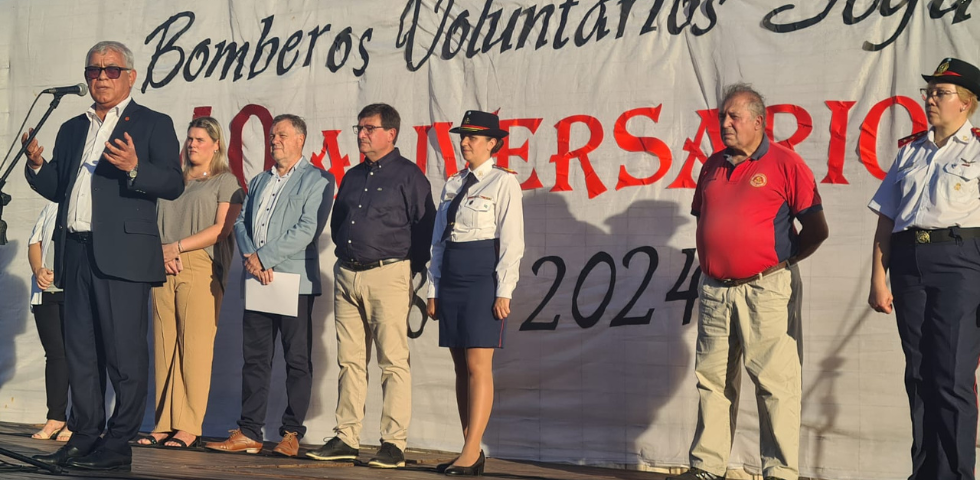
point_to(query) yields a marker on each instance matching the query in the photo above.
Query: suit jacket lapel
(292, 185)
(126, 118)
(289, 189)
(70, 172)
(129, 115)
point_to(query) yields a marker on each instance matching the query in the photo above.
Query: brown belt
(734, 282)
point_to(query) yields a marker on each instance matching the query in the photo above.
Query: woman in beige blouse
(197, 251)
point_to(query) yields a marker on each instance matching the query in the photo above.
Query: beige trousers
(185, 320)
(373, 305)
(757, 323)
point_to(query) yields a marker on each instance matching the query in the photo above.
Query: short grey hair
(104, 46)
(295, 120)
(757, 104)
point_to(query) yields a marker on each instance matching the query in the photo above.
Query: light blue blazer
(295, 225)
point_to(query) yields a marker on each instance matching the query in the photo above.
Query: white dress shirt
(80, 198)
(493, 208)
(930, 187)
(267, 205)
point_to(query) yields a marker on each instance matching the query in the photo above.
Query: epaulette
(911, 138)
(976, 132)
(498, 167)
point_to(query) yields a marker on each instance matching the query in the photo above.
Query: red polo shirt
(746, 211)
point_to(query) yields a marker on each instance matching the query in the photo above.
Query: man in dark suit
(108, 168)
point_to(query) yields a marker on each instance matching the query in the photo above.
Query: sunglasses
(111, 73)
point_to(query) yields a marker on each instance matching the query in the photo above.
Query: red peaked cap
(957, 72)
(476, 122)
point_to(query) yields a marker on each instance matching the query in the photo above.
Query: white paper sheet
(281, 296)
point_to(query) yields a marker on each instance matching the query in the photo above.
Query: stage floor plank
(167, 464)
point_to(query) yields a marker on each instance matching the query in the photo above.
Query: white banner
(610, 108)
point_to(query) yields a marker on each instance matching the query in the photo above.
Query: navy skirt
(467, 290)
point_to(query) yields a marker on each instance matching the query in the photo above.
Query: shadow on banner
(593, 351)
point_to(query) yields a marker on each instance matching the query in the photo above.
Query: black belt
(360, 267)
(734, 282)
(81, 237)
(919, 236)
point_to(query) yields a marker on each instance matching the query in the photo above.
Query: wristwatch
(132, 173)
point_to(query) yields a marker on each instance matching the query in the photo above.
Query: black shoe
(60, 457)
(388, 456)
(471, 471)
(697, 474)
(104, 460)
(335, 449)
(441, 468)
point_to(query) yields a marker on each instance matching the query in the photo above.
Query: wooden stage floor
(166, 464)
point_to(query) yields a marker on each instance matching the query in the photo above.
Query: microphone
(81, 90)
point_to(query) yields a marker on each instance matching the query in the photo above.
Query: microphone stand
(4, 198)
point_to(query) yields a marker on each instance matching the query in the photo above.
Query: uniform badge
(911, 138)
(957, 187)
(941, 69)
(759, 180)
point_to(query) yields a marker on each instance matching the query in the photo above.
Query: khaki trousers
(759, 324)
(185, 320)
(373, 305)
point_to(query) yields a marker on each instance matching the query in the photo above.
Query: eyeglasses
(939, 95)
(111, 72)
(368, 128)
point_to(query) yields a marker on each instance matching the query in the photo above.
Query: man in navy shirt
(382, 227)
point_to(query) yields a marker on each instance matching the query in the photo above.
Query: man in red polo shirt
(746, 201)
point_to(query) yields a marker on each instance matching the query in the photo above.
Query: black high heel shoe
(441, 468)
(474, 470)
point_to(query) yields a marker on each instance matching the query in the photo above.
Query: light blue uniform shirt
(930, 187)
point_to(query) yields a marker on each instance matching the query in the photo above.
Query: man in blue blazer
(277, 232)
(108, 168)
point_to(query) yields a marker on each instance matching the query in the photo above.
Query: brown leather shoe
(237, 442)
(289, 446)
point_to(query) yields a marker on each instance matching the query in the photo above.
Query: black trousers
(259, 331)
(937, 294)
(105, 334)
(50, 319)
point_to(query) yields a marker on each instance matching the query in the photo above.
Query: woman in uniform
(477, 245)
(928, 236)
(197, 251)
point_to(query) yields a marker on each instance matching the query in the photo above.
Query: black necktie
(454, 205)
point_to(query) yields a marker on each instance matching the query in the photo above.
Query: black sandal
(152, 442)
(181, 444)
